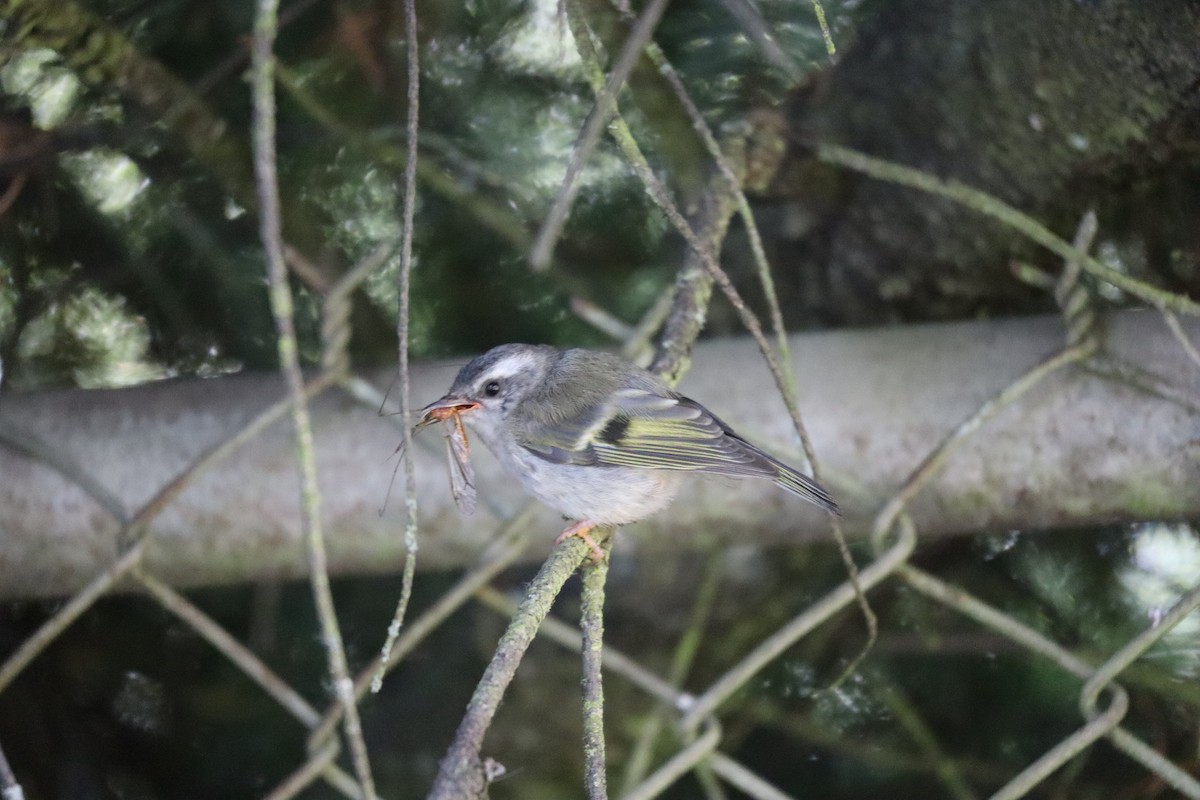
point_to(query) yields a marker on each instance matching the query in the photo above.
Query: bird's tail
(798, 483)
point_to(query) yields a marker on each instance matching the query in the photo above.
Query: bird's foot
(582, 530)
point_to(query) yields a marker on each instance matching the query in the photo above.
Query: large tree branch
(1080, 450)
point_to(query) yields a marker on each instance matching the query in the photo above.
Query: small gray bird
(598, 438)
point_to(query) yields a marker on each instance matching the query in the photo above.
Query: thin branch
(989, 205)
(1181, 336)
(305, 775)
(600, 318)
(724, 202)
(826, 34)
(637, 346)
(769, 153)
(758, 31)
(406, 265)
(569, 637)
(785, 378)
(335, 776)
(460, 773)
(680, 763)
(263, 89)
(694, 283)
(592, 625)
(512, 540)
(606, 105)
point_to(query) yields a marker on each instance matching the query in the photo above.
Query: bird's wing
(647, 429)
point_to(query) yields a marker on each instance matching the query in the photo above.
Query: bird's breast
(602, 495)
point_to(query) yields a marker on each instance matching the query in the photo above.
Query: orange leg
(581, 529)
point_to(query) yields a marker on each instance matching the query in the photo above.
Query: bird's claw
(582, 530)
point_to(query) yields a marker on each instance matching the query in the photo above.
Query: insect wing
(462, 474)
(401, 448)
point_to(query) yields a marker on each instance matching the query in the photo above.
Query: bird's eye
(492, 389)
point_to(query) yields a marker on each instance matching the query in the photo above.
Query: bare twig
(717, 205)
(991, 206)
(826, 34)
(263, 89)
(606, 105)
(410, 479)
(512, 542)
(460, 773)
(756, 28)
(304, 776)
(679, 764)
(637, 346)
(758, 167)
(600, 319)
(336, 309)
(334, 776)
(569, 637)
(592, 625)
(1181, 336)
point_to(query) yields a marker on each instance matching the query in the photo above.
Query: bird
(598, 438)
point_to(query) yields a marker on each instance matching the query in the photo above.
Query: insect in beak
(448, 410)
(449, 407)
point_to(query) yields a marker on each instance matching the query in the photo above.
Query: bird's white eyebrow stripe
(510, 365)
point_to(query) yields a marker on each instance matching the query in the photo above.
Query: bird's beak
(445, 408)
